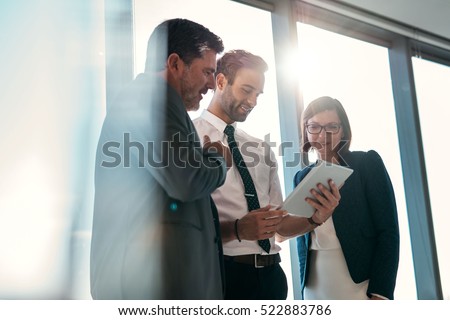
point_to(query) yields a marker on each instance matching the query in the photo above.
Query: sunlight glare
(29, 209)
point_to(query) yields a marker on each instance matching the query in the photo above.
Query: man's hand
(220, 148)
(324, 203)
(260, 224)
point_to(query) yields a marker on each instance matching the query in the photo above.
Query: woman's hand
(324, 202)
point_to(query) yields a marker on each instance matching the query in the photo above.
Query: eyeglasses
(332, 128)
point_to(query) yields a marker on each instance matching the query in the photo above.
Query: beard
(189, 93)
(233, 106)
(190, 97)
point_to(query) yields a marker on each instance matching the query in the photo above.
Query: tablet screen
(295, 203)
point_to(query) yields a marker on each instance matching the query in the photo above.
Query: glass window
(357, 74)
(52, 104)
(434, 111)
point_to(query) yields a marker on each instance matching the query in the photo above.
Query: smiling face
(196, 79)
(325, 142)
(237, 100)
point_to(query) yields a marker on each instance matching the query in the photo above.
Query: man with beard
(248, 201)
(155, 230)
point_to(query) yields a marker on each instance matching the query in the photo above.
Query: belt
(257, 260)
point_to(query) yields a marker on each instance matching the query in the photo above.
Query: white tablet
(295, 203)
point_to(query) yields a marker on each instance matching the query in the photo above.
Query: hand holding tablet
(295, 203)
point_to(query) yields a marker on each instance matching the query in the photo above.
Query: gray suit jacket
(155, 231)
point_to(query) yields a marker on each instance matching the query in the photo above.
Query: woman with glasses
(354, 255)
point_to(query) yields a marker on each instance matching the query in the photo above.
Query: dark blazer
(366, 225)
(155, 231)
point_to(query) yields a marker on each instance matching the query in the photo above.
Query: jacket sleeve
(157, 135)
(383, 210)
(191, 173)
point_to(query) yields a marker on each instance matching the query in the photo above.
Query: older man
(155, 230)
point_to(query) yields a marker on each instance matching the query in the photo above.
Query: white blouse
(329, 278)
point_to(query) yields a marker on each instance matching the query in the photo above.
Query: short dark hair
(186, 38)
(234, 60)
(327, 104)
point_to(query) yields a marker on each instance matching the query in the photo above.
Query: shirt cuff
(379, 296)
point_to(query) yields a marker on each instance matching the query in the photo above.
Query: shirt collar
(218, 123)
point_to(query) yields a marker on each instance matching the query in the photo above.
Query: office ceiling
(428, 15)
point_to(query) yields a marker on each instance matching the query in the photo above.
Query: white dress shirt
(229, 198)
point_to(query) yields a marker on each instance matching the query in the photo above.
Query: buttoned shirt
(229, 198)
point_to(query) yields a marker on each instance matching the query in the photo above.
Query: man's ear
(174, 63)
(221, 81)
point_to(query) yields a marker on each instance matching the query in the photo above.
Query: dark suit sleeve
(192, 173)
(157, 134)
(381, 200)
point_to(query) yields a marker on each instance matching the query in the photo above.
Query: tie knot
(229, 131)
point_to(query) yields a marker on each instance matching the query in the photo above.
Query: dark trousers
(245, 282)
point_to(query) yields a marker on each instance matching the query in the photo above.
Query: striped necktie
(250, 191)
